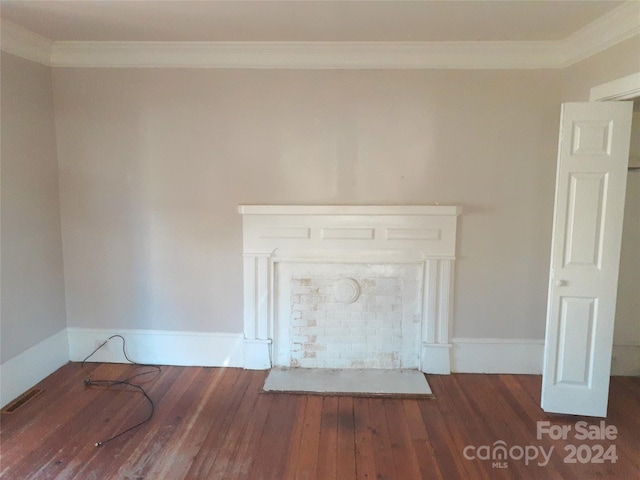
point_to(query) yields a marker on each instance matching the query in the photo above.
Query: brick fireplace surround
(334, 286)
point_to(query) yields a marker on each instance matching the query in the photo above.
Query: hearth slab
(356, 382)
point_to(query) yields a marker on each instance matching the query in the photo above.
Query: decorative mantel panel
(278, 237)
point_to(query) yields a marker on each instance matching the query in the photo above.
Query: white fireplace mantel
(348, 210)
(367, 234)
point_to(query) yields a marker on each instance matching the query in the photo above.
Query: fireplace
(348, 286)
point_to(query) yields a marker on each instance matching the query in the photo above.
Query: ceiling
(304, 21)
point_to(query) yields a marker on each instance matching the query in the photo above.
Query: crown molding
(308, 55)
(24, 43)
(608, 30)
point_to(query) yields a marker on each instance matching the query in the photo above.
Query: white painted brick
(308, 330)
(314, 347)
(339, 316)
(367, 333)
(348, 355)
(307, 307)
(363, 317)
(382, 309)
(386, 300)
(367, 299)
(320, 281)
(387, 281)
(340, 363)
(307, 315)
(356, 307)
(334, 330)
(357, 331)
(306, 298)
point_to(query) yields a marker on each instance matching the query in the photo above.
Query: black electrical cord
(126, 383)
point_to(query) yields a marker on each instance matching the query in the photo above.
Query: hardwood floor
(213, 423)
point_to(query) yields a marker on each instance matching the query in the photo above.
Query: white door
(593, 155)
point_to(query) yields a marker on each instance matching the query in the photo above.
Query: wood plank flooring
(214, 423)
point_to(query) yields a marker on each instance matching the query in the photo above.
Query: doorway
(626, 339)
(569, 382)
(591, 180)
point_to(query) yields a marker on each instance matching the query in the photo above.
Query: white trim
(469, 355)
(309, 55)
(349, 210)
(24, 43)
(435, 358)
(605, 32)
(257, 354)
(161, 347)
(623, 88)
(610, 29)
(518, 356)
(273, 235)
(26, 369)
(497, 355)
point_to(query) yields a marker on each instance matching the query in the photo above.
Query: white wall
(153, 163)
(33, 304)
(611, 64)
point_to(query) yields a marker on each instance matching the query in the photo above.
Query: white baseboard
(488, 355)
(468, 355)
(23, 371)
(435, 358)
(495, 355)
(257, 354)
(626, 360)
(159, 347)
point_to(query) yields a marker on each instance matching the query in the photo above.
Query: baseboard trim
(159, 347)
(468, 355)
(517, 356)
(435, 358)
(497, 355)
(257, 354)
(26, 369)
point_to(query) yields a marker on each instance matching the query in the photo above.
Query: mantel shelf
(349, 209)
